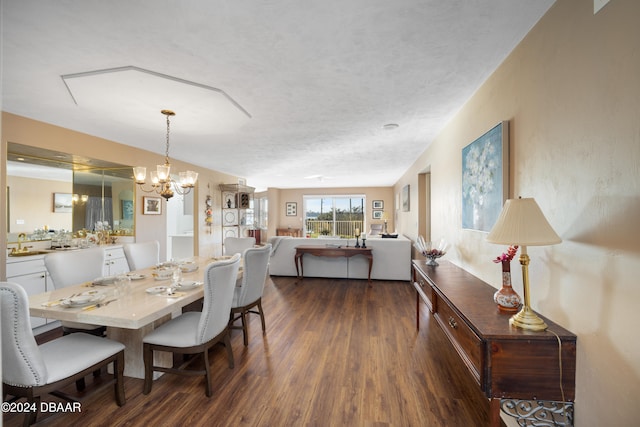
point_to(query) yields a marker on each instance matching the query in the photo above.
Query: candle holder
(357, 242)
(364, 245)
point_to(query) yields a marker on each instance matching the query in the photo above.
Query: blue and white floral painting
(483, 179)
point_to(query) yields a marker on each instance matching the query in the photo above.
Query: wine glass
(176, 277)
(122, 284)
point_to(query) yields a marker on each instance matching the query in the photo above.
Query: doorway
(180, 226)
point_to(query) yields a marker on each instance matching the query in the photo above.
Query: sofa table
(528, 375)
(332, 252)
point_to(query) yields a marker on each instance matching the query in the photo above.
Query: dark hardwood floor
(336, 353)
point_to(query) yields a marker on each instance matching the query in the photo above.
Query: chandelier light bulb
(163, 172)
(154, 178)
(140, 174)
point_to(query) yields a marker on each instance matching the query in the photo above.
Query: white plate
(134, 276)
(188, 284)
(157, 290)
(81, 300)
(93, 292)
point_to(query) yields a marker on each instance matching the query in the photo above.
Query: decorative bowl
(188, 267)
(430, 250)
(433, 255)
(163, 273)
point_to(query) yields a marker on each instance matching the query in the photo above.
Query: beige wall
(208, 240)
(571, 91)
(278, 200)
(35, 206)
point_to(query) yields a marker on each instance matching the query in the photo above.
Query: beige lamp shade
(522, 223)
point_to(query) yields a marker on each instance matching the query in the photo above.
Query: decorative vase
(506, 298)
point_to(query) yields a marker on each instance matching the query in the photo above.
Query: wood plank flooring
(336, 353)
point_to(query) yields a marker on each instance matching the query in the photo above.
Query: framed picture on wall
(152, 206)
(376, 214)
(405, 199)
(485, 178)
(378, 204)
(62, 202)
(292, 209)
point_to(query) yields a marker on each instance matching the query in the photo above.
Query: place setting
(78, 300)
(174, 290)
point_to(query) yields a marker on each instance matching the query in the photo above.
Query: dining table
(128, 315)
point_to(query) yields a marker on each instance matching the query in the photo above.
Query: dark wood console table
(330, 251)
(510, 365)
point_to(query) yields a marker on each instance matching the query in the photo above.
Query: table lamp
(385, 218)
(522, 223)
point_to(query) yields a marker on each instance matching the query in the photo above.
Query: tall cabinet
(238, 215)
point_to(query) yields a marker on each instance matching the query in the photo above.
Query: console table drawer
(423, 287)
(465, 341)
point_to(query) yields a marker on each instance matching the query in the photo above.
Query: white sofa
(391, 259)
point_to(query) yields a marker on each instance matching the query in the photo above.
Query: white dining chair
(249, 294)
(31, 371)
(194, 333)
(237, 245)
(70, 268)
(142, 255)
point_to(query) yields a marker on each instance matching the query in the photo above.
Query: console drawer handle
(453, 323)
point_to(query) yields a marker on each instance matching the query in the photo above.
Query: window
(335, 216)
(262, 212)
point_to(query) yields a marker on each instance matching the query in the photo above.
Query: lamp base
(528, 320)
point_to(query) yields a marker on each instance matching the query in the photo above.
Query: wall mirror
(50, 191)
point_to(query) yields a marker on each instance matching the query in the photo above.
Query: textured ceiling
(287, 94)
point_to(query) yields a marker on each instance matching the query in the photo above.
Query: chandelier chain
(166, 156)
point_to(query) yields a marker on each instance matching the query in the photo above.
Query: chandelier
(161, 181)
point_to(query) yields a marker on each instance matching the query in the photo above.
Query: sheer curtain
(94, 212)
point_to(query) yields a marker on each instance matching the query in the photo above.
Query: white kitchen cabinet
(30, 273)
(115, 261)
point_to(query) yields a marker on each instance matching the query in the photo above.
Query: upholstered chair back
(142, 255)
(237, 245)
(22, 362)
(219, 282)
(74, 267)
(254, 275)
